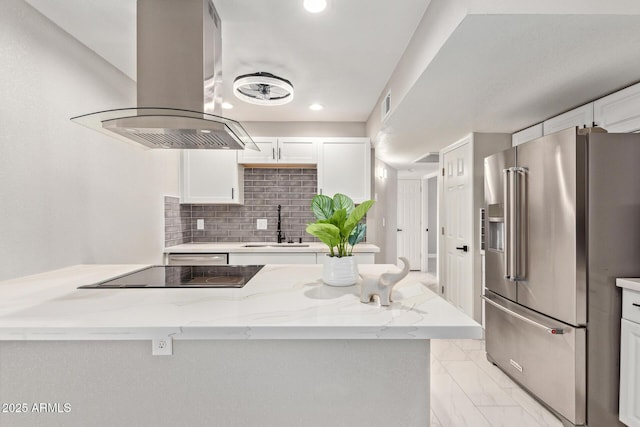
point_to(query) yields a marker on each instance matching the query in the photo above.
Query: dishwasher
(197, 259)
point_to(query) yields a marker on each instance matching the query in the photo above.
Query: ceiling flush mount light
(315, 6)
(227, 106)
(263, 89)
(315, 107)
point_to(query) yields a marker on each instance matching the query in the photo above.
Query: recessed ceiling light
(227, 105)
(315, 6)
(205, 131)
(315, 107)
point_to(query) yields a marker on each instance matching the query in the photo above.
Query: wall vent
(385, 107)
(429, 158)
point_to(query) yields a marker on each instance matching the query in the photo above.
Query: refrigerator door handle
(506, 182)
(518, 232)
(550, 329)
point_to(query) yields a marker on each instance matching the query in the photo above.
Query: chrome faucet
(280, 234)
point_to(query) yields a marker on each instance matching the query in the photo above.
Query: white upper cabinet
(581, 117)
(620, 111)
(344, 166)
(297, 151)
(211, 176)
(281, 150)
(267, 153)
(527, 134)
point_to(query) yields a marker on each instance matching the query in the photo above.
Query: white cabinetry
(210, 176)
(527, 134)
(620, 111)
(274, 150)
(260, 258)
(630, 359)
(581, 117)
(344, 166)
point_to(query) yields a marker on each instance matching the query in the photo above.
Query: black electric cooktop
(210, 276)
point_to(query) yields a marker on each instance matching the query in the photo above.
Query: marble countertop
(633, 284)
(315, 247)
(280, 302)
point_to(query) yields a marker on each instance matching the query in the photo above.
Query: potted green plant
(338, 226)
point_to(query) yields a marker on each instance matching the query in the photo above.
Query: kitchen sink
(275, 245)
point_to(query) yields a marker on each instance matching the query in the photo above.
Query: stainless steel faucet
(280, 234)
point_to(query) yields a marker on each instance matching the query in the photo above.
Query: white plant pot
(340, 271)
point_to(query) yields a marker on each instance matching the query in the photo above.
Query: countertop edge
(629, 283)
(240, 248)
(241, 333)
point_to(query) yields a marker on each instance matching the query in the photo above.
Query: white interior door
(409, 221)
(458, 226)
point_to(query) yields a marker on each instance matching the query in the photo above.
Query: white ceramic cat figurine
(382, 285)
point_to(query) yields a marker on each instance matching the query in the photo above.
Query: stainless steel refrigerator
(562, 222)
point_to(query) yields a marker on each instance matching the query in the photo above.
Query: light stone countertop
(314, 247)
(280, 302)
(633, 284)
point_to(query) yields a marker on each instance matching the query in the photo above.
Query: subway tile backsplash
(177, 222)
(264, 190)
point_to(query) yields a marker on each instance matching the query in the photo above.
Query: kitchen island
(284, 350)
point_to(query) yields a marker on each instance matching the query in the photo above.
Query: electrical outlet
(200, 224)
(162, 346)
(261, 223)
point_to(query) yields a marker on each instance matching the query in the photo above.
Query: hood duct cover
(178, 92)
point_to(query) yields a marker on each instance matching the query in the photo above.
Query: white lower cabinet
(210, 177)
(260, 258)
(630, 361)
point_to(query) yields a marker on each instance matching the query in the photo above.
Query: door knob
(464, 248)
(399, 229)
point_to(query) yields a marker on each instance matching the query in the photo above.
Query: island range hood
(178, 82)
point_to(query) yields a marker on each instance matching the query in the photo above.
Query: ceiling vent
(429, 158)
(263, 89)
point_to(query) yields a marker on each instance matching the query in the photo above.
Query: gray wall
(70, 195)
(385, 192)
(432, 214)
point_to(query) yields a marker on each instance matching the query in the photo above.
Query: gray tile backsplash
(177, 222)
(264, 190)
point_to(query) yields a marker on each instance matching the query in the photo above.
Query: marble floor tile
(480, 359)
(451, 405)
(434, 420)
(469, 344)
(436, 367)
(447, 350)
(541, 414)
(468, 390)
(477, 385)
(508, 416)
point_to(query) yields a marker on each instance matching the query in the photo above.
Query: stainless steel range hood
(179, 82)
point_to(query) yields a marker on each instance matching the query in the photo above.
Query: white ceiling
(501, 73)
(340, 58)
(504, 65)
